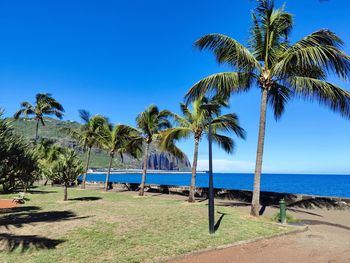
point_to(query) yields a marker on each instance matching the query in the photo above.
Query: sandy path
(327, 240)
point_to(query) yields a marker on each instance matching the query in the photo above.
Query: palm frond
(172, 135)
(328, 94)
(320, 49)
(278, 97)
(229, 123)
(222, 83)
(228, 50)
(84, 115)
(224, 142)
(55, 112)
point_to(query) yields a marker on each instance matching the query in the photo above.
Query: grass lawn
(94, 226)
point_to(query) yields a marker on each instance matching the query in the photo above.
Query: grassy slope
(51, 130)
(120, 227)
(26, 127)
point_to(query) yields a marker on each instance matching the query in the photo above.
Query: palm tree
(88, 135)
(195, 123)
(121, 140)
(150, 123)
(66, 169)
(279, 69)
(47, 152)
(45, 105)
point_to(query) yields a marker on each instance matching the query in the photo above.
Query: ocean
(311, 184)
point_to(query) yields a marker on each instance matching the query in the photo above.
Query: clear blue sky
(117, 57)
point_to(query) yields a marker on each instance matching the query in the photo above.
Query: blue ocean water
(312, 184)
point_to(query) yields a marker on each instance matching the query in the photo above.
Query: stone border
(239, 243)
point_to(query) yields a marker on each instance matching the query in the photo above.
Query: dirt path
(327, 240)
(5, 204)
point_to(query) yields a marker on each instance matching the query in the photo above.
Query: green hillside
(99, 158)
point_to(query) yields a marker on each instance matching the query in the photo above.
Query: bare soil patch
(327, 240)
(5, 204)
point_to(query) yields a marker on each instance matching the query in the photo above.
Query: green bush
(289, 218)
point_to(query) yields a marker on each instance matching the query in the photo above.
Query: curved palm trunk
(143, 180)
(194, 171)
(109, 171)
(36, 131)
(86, 168)
(259, 155)
(65, 192)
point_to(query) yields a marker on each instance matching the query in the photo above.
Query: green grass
(118, 227)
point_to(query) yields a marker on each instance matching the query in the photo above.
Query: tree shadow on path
(325, 223)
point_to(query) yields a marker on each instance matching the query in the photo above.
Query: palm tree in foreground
(45, 105)
(150, 123)
(88, 135)
(121, 140)
(195, 123)
(279, 69)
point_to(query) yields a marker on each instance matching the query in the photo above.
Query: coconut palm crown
(44, 105)
(195, 122)
(121, 140)
(150, 123)
(281, 70)
(88, 135)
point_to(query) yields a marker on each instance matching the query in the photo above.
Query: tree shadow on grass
(20, 219)
(18, 209)
(217, 225)
(41, 192)
(86, 198)
(10, 242)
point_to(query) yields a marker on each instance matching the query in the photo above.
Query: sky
(117, 57)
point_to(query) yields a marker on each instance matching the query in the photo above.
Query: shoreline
(268, 198)
(137, 171)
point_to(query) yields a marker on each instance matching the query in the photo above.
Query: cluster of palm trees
(279, 69)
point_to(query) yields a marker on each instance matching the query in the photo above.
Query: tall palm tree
(195, 123)
(150, 123)
(44, 105)
(88, 135)
(279, 69)
(121, 140)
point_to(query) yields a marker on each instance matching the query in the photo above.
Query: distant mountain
(99, 158)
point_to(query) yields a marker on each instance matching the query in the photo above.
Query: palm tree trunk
(109, 171)
(87, 168)
(36, 131)
(65, 192)
(259, 155)
(194, 171)
(145, 162)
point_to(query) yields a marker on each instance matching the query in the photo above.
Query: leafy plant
(66, 169)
